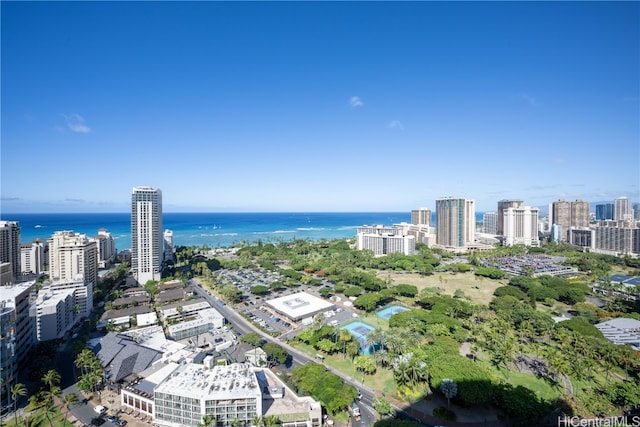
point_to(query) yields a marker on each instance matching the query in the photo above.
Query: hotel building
(421, 216)
(520, 226)
(146, 233)
(455, 222)
(502, 206)
(72, 254)
(225, 393)
(106, 248)
(54, 313)
(385, 240)
(490, 223)
(32, 257)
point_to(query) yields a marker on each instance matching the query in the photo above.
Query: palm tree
(69, 400)
(18, 389)
(51, 378)
(207, 420)
(344, 336)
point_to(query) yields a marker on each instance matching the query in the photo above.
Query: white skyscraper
(520, 226)
(146, 234)
(622, 209)
(71, 254)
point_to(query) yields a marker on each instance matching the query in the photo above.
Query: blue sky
(317, 106)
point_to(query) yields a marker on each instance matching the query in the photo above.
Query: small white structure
(298, 306)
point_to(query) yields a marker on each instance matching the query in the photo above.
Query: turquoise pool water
(360, 330)
(386, 313)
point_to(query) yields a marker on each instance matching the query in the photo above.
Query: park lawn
(477, 289)
(542, 388)
(382, 380)
(40, 420)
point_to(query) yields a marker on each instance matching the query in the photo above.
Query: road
(242, 326)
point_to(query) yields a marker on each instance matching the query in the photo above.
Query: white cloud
(355, 101)
(396, 124)
(75, 123)
(532, 101)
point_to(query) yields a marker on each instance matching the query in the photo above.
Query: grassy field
(478, 289)
(382, 380)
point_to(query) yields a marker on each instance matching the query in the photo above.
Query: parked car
(100, 409)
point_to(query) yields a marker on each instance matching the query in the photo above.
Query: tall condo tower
(568, 215)
(146, 234)
(622, 209)
(503, 205)
(455, 221)
(10, 247)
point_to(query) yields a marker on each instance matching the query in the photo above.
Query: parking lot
(254, 309)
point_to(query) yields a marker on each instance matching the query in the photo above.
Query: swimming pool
(360, 330)
(386, 313)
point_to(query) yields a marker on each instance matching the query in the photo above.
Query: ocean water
(213, 229)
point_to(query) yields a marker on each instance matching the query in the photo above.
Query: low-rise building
(225, 393)
(622, 330)
(201, 322)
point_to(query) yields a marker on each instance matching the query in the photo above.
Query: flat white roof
(299, 305)
(235, 381)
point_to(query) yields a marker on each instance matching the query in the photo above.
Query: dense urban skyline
(306, 106)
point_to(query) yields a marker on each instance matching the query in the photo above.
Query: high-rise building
(618, 237)
(53, 313)
(32, 257)
(382, 243)
(502, 206)
(455, 222)
(604, 211)
(421, 216)
(10, 246)
(146, 234)
(622, 209)
(636, 211)
(521, 226)
(168, 245)
(71, 254)
(106, 248)
(569, 214)
(8, 362)
(490, 223)
(17, 334)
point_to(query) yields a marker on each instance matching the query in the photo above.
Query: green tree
(51, 378)
(69, 400)
(364, 364)
(253, 339)
(344, 336)
(383, 406)
(449, 388)
(275, 353)
(18, 389)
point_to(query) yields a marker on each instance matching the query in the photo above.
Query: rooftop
(222, 382)
(299, 305)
